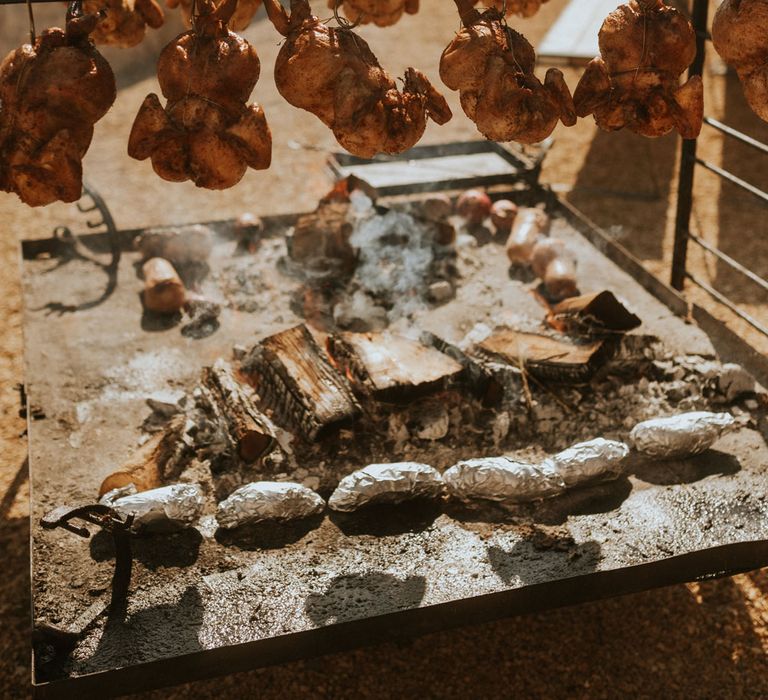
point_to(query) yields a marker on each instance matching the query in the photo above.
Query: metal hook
(32, 33)
(343, 22)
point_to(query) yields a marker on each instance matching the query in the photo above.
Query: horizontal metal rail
(728, 260)
(730, 177)
(725, 301)
(735, 134)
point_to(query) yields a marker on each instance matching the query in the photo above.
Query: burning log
(231, 402)
(294, 375)
(545, 358)
(159, 459)
(164, 291)
(593, 314)
(392, 367)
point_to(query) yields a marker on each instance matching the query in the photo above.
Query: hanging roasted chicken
(381, 12)
(52, 92)
(740, 36)
(331, 72)
(492, 67)
(524, 8)
(206, 132)
(125, 22)
(645, 46)
(241, 18)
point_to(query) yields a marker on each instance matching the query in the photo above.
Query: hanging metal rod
(728, 260)
(733, 133)
(725, 301)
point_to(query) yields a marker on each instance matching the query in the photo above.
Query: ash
(396, 254)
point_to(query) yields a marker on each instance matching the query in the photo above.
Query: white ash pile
(363, 268)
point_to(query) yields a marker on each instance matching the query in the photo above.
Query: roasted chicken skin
(206, 132)
(740, 36)
(382, 13)
(332, 73)
(125, 22)
(524, 8)
(492, 67)
(241, 18)
(645, 46)
(52, 92)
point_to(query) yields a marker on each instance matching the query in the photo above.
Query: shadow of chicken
(332, 73)
(492, 67)
(52, 92)
(739, 33)
(206, 132)
(645, 46)
(126, 21)
(382, 13)
(523, 8)
(241, 18)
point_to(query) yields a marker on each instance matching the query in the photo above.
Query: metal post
(688, 159)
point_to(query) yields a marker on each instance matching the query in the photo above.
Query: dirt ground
(700, 640)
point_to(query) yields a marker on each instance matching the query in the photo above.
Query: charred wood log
(231, 403)
(392, 367)
(320, 240)
(593, 314)
(544, 357)
(294, 375)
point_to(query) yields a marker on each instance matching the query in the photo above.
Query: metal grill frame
(685, 197)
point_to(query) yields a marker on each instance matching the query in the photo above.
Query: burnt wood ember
(544, 357)
(481, 380)
(232, 402)
(160, 459)
(391, 367)
(294, 376)
(593, 314)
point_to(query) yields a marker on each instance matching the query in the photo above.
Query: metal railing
(688, 162)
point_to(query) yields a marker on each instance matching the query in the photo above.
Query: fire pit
(392, 337)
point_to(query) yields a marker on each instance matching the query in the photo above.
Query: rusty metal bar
(730, 177)
(728, 260)
(725, 301)
(735, 134)
(688, 159)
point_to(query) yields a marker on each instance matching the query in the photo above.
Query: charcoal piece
(295, 377)
(593, 314)
(391, 367)
(544, 357)
(232, 403)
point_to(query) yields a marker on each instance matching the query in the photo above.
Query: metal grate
(688, 162)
